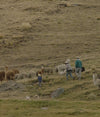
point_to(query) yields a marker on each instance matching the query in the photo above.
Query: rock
(92, 96)
(44, 108)
(57, 93)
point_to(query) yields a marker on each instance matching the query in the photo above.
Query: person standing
(68, 70)
(39, 78)
(78, 67)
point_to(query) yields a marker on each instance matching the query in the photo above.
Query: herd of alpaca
(14, 74)
(8, 75)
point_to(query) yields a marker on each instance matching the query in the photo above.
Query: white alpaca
(61, 69)
(96, 80)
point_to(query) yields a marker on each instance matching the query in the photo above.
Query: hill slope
(35, 32)
(49, 31)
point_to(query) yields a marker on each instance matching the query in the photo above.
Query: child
(39, 78)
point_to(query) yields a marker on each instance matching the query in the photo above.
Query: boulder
(57, 92)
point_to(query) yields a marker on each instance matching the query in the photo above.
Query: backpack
(83, 69)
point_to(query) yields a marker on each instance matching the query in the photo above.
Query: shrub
(98, 18)
(26, 26)
(1, 36)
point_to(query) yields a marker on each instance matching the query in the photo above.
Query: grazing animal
(96, 80)
(98, 75)
(60, 69)
(10, 75)
(45, 71)
(15, 71)
(48, 71)
(2, 75)
(31, 74)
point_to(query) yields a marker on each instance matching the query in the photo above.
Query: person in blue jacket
(78, 67)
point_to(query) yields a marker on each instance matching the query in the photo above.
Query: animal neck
(94, 77)
(6, 69)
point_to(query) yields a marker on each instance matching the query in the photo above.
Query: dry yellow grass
(55, 34)
(1, 36)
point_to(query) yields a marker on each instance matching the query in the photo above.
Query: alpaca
(46, 70)
(98, 75)
(60, 69)
(15, 71)
(96, 80)
(10, 75)
(31, 74)
(2, 75)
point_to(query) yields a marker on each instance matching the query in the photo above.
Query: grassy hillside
(36, 32)
(47, 32)
(80, 98)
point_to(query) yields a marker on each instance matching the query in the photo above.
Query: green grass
(49, 108)
(57, 33)
(80, 99)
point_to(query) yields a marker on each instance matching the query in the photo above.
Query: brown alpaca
(15, 71)
(10, 75)
(2, 75)
(48, 71)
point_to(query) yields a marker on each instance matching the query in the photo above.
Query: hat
(67, 61)
(78, 57)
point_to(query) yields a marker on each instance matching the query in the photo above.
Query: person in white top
(68, 69)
